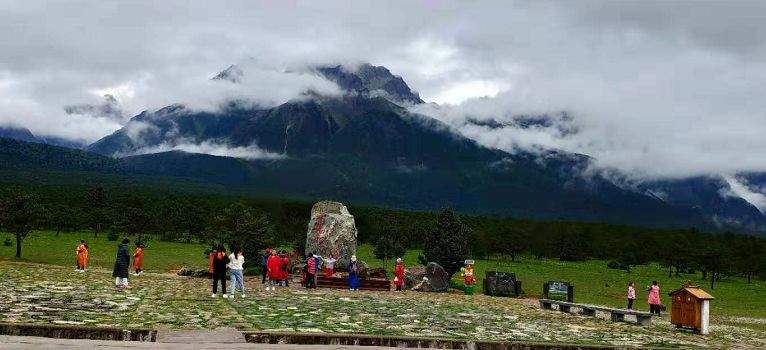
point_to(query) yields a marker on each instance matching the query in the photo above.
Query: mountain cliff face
(367, 147)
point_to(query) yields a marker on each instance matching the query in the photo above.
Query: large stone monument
(331, 231)
(501, 284)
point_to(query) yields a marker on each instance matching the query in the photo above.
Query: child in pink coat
(631, 295)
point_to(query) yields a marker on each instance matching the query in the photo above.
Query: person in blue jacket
(353, 273)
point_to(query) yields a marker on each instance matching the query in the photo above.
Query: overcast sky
(659, 89)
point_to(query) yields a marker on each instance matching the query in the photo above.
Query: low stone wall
(343, 339)
(78, 332)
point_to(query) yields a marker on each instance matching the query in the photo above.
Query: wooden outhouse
(691, 308)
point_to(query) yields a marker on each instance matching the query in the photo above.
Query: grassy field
(593, 281)
(46, 247)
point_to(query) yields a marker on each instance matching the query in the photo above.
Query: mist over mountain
(370, 144)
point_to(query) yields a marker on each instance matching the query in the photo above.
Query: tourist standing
(353, 274)
(122, 265)
(264, 268)
(211, 258)
(329, 266)
(220, 261)
(82, 256)
(283, 268)
(654, 298)
(311, 270)
(236, 264)
(399, 274)
(318, 267)
(631, 295)
(273, 265)
(138, 259)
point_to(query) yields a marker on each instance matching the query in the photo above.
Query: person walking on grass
(654, 298)
(353, 274)
(138, 259)
(220, 261)
(122, 265)
(399, 274)
(82, 256)
(631, 295)
(236, 264)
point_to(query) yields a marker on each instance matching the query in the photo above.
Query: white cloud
(657, 89)
(740, 190)
(215, 148)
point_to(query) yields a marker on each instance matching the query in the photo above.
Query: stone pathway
(26, 343)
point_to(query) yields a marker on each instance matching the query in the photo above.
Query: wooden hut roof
(696, 292)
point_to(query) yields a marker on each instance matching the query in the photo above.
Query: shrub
(7, 242)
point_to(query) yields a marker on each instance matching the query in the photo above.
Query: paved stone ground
(25, 343)
(222, 335)
(44, 294)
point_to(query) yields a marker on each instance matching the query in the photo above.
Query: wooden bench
(617, 315)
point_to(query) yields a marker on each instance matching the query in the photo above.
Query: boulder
(331, 231)
(186, 271)
(501, 284)
(431, 278)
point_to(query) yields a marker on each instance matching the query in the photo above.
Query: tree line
(444, 236)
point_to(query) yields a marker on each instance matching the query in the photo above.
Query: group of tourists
(219, 262)
(121, 263)
(655, 304)
(277, 268)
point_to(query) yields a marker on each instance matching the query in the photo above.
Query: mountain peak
(369, 79)
(233, 74)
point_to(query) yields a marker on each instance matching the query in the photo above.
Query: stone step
(223, 335)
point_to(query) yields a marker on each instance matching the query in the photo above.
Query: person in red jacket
(283, 268)
(272, 266)
(399, 274)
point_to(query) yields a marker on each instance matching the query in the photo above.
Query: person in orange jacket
(399, 274)
(82, 256)
(211, 257)
(138, 259)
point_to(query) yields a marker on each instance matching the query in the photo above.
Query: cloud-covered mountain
(367, 145)
(370, 144)
(23, 134)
